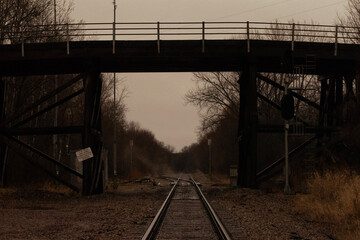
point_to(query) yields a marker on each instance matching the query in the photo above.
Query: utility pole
(131, 154)
(55, 14)
(114, 2)
(114, 118)
(209, 143)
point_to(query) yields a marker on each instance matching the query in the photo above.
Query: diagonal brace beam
(49, 108)
(265, 172)
(43, 99)
(298, 96)
(28, 158)
(42, 131)
(43, 155)
(262, 97)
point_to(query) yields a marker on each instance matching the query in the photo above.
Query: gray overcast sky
(156, 101)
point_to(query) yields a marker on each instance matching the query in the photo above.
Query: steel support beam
(42, 131)
(274, 168)
(3, 147)
(307, 129)
(331, 102)
(296, 95)
(92, 168)
(31, 160)
(15, 144)
(339, 99)
(42, 100)
(25, 150)
(277, 107)
(349, 80)
(357, 86)
(248, 120)
(321, 121)
(62, 101)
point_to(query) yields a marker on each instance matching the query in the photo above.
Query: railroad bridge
(331, 52)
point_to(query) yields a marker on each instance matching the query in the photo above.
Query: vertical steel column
(92, 168)
(349, 80)
(357, 86)
(324, 87)
(331, 104)
(3, 147)
(339, 99)
(248, 120)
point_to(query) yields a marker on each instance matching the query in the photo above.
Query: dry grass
(57, 188)
(334, 197)
(221, 178)
(5, 191)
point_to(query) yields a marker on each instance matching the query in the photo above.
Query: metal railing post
(22, 44)
(158, 37)
(203, 37)
(336, 41)
(67, 40)
(293, 37)
(114, 35)
(248, 35)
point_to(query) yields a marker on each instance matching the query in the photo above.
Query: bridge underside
(91, 58)
(173, 56)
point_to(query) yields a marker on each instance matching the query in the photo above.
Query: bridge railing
(183, 31)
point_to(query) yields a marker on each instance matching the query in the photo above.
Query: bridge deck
(174, 56)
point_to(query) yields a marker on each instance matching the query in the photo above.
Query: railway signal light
(287, 107)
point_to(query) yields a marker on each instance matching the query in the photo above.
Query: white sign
(84, 154)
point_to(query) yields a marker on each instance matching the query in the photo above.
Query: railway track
(186, 214)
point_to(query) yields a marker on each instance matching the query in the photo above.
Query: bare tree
(107, 98)
(32, 20)
(352, 18)
(217, 96)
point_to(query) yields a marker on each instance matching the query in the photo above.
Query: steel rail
(155, 224)
(219, 227)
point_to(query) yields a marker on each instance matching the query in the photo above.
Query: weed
(333, 197)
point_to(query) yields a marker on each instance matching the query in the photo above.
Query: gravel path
(252, 214)
(127, 212)
(124, 214)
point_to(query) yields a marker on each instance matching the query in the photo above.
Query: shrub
(334, 197)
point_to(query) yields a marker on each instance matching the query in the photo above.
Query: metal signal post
(287, 189)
